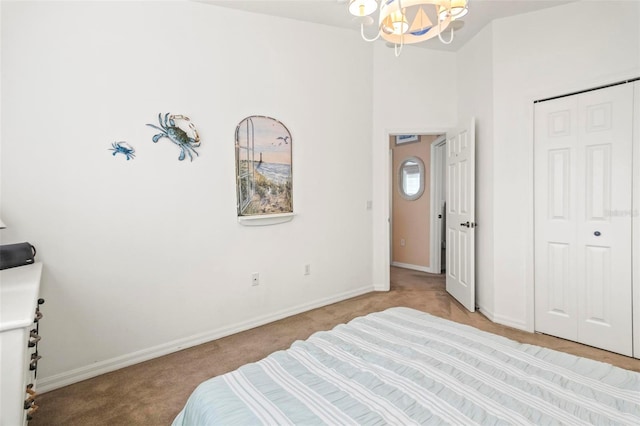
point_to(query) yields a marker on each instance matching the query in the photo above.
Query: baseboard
(509, 322)
(414, 267)
(83, 373)
(486, 313)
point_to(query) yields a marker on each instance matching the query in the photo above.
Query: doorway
(438, 204)
(418, 189)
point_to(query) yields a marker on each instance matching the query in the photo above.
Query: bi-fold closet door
(583, 217)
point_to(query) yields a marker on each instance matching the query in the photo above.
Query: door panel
(605, 140)
(452, 183)
(598, 182)
(463, 196)
(556, 138)
(460, 221)
(558, 278)
(598, 280)
(559, 161)
(583, 238)
(452, 259)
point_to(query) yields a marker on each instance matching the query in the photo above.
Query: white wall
(143, 257)
(475, 64)
(414, 93)
(537, 55)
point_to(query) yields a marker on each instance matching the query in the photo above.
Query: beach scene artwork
(263, 167)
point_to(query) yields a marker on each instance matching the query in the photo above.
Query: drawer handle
(34, 361)
(32, 410)
(33, 339)
(29, 402)
(30, 390)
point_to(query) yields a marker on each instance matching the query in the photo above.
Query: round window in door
(411, 178)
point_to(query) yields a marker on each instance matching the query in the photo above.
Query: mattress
(402, 367)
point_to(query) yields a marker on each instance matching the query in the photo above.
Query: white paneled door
(583, 205)
(460, 263)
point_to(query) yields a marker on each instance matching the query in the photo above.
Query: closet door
(583, 176)
(556, 286)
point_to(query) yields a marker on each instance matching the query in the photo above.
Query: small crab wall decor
(187, 138)
(124, 149)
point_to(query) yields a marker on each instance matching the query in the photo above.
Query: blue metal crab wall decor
(186, 139)
(124, 149)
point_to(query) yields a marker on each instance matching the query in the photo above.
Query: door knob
(466, 224)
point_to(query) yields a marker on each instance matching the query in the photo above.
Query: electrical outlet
(307, 269)
(402, 242)
(255, 279)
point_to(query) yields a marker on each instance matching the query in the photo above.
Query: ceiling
(335, 13)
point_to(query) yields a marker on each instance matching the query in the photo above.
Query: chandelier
(403, 22)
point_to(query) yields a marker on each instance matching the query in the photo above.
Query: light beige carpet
(153, 392)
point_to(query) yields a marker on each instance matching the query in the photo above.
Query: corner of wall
(475, 64)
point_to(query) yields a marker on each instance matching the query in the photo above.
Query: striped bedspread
(404, 367)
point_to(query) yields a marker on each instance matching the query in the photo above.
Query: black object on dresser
(20, 254)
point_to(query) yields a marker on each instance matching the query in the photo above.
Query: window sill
(265, 220)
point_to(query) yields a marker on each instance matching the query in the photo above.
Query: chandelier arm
(396, 50)
(440, 29)
(443, 40)
(395, 46)
(365, 38)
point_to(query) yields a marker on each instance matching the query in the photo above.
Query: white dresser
(19, 327)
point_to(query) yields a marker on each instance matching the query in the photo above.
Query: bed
(401, 367)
